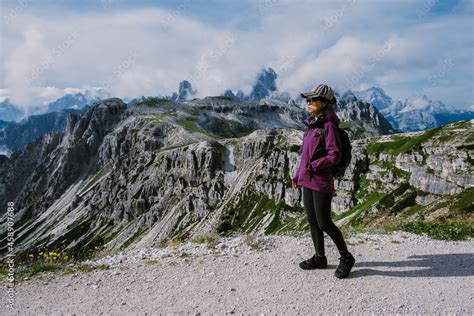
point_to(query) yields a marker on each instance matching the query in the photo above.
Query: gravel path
(394, 273)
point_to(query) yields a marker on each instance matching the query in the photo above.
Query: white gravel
(396, 273)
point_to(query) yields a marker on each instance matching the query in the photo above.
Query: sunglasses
(309, 101)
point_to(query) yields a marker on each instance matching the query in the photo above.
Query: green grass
(210, 239)
(294, 148)
(135, 236)
(190, 124)
(151, 261)
(463, 202)
(151, 102)
(223, 98)
(357, 127)
(102, 172)
(38, 264)
(160, 117)
(401, 144)
(85, 267)
(248, 214)
(45, 267)
(442, 231)
(397, 199)
(225, 128)
(370, 200)
(103, 266)
(22, 270)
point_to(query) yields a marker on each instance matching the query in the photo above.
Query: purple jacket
(317, 174)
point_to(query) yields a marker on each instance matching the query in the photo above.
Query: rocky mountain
(362, 117)
(16, 135)
(9, 111)
(75, 101)
(185, 92)
(414, 114)
(265, 86)
(152, 169)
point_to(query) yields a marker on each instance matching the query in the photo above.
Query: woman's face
(315, 107)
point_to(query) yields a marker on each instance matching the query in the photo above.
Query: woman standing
(320, 153)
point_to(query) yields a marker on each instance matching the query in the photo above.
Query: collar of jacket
(313, 121)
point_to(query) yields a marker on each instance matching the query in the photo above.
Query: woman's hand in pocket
(295, 185)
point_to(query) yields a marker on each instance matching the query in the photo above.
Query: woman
(314, 174)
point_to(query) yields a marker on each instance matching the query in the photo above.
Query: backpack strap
(321, 133)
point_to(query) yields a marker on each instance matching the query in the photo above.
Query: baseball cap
(321, 91)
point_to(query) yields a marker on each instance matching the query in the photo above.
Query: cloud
(149, 50)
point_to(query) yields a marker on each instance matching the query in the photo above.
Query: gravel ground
(394, 273)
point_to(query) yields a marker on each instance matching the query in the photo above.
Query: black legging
(318, 210)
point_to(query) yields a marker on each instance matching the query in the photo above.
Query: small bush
(103, 266)
(85, 268)
(445, 231)
(252, 242)
(210, 239)
(151, 261)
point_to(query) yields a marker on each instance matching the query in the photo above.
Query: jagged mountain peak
(185, 91)
(349, 96)
(376, 96)
(265, 86)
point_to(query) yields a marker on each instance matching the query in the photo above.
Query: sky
(145, 48)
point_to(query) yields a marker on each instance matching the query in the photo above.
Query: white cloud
(149, 51)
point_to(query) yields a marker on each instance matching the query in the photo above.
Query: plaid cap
(321, 91)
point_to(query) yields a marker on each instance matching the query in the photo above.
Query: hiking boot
(345, 265)
(315, 262)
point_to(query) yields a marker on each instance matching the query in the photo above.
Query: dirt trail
(395, 273)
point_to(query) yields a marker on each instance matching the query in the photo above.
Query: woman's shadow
(433, 265)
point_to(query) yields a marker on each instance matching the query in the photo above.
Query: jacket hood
(330, 116)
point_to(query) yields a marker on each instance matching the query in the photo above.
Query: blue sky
(134, 48)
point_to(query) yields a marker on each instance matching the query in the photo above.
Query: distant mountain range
(409, 115)
(361, 118)
(10, 112)
(414, 114)
(16, 135)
